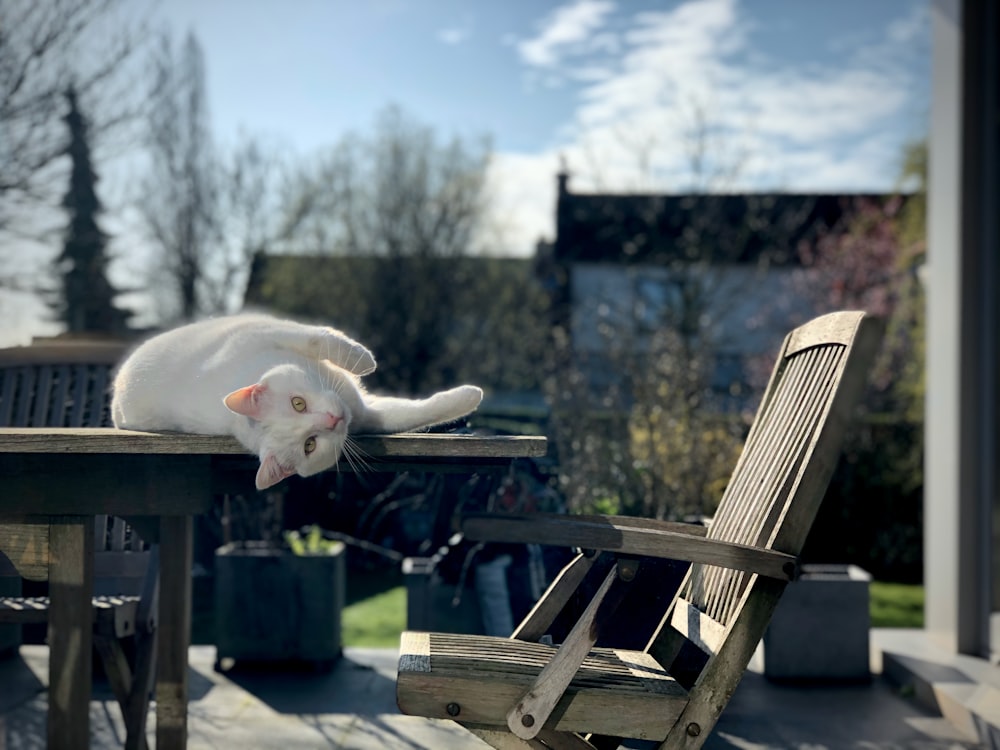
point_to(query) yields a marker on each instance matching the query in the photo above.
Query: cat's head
(303, 427)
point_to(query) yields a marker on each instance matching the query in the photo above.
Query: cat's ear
(246, 401)
(271, 472)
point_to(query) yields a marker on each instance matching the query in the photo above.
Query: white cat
(289, 392)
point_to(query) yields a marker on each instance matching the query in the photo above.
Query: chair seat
(114, 616)
(478, 679)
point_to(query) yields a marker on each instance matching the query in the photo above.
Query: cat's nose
(331, 421)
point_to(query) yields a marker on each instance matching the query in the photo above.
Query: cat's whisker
(357, 459)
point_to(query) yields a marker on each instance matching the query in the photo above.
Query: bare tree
(401, 209)
(47, 46)
(180, 194)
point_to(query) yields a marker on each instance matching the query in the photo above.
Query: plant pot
(820, 628)
(275, 606)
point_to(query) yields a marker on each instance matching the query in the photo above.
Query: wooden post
(174, 634)
(71, 582)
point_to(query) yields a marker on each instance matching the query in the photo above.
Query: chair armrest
(630, 536)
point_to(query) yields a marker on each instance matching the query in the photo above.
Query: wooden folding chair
(521, 693)
(67, 384)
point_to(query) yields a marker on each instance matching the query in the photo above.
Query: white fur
(239, 375)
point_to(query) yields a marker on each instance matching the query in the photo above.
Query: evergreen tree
(86, 299)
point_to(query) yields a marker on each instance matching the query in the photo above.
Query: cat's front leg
(382, 414)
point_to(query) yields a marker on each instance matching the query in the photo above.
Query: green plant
(312, 543)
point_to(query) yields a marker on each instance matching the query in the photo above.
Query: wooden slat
(98, 397)
(25, 389)
(703, 631)
(835, 328)
(401, 446)
(617, 693)
(43, 396)
(68, 352)
(78, 399)
(9, 381)
(57, 417)
(605, 534)
(27, 547)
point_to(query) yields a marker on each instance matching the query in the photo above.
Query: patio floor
(354, 707)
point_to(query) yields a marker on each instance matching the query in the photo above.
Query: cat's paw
(360, 361)
(464, 399)
(346, 353)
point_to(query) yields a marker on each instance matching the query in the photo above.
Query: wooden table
(160, 481)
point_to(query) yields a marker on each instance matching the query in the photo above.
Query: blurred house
(724, 270)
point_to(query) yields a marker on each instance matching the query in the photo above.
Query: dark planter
(820, 629)
(275, 606)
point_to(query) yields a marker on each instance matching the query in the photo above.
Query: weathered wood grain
(174, 634)
(36, 485)
(27, 547)
(477, 679)
(70, 634)
(23, 440)
(595, 532)
(704, 632)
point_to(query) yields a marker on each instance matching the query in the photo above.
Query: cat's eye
(310, 444)
(298, 403)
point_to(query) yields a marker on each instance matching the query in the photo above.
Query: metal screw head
(453, 709)
(627, 570)
(528, 720)
(693, 729)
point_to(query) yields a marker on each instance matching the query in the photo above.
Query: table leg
(174, 632)
(71, 585)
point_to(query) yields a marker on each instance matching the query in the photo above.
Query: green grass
(376, 613)
(896, 605)
(375, 621)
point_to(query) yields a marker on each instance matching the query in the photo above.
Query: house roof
(737, 228)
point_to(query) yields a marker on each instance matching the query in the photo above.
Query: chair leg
(131, 690)
(546, 740)
(116, 666)
(137, 709)
(503, 740)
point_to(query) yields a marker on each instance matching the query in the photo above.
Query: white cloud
(564, 30)
(453, 35)
(522, 191)
(688, 90)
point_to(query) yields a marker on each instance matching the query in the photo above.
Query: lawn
(896, 605)
(379, 618)
(375, 621)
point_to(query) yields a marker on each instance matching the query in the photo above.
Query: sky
(669, 96)
(790, 95)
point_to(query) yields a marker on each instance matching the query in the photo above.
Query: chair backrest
(58, 384)
(67, 383)
(779, 481)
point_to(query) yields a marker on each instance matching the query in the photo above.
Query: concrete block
(820, 629)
